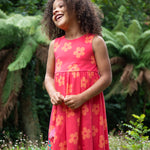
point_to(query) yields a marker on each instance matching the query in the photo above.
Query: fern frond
(121, 38)
(40, 37)
(107, 35)
(134, 31)
(2, 14)
(9, 34)
(112, 48)
(142, 41)
(130, 51)
(24, 55)
(145, 56)
(13, 83)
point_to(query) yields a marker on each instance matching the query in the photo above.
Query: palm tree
(21, 40)
(129, 50)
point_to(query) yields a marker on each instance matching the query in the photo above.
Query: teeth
(58, 17)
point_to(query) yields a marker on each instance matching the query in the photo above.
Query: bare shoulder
(98, 43)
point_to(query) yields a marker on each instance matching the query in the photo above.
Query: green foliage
(13, 83)
(9, 34)
(136, 132)
(2, 15)
(24, 55)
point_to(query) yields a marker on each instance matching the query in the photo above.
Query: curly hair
(86, 12)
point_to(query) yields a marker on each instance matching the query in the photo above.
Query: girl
(78, 70)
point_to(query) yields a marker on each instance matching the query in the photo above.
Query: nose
(55, 11)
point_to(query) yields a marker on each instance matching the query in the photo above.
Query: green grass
(115, 143)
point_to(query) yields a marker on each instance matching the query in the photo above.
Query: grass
(115, 142)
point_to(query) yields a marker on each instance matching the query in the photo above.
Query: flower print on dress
(67, 46)
(94, 130)
(56, 46)
(70, 113)
(101, 121)
(89, 39)
(63, 145)
(101, 141)
(73, 138)
(95, 109)
(85, 109)
(59, 120)
(58, 65)
(61, 80)
(93, 61)
(86, 133)
(54, 115)
(80, 51)
(69, 89)
(90, 74)
(74, 68)
(84, 82)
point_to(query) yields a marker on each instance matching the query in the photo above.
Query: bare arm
(56, 97)
(104, 67)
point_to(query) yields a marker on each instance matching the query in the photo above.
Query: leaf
(129, 51)
(13, 83)
(24, 56)
(40, 37)
(121, 38)
(2, 14)
(134, 31)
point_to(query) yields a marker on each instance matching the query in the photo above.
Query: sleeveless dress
(84, 128)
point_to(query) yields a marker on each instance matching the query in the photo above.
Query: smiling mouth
(58, 17)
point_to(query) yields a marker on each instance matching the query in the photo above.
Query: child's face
(60, 14)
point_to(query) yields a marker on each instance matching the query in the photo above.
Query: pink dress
(84, 128)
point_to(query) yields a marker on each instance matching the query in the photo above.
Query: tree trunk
(30, 119)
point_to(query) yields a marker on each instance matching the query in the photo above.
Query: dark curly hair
(86, 12)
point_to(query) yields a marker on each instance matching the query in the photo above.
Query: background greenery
(25, 104)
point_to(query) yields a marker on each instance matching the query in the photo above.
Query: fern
(13, 83)
(9, 34)
(134, 31)
(129, 50)
(2, 14)
(121, 38)
(24, 55)
(40, 37)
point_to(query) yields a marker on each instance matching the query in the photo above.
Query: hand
(57, 98)
(73, 101)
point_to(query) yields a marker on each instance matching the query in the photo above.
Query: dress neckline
(74, 38)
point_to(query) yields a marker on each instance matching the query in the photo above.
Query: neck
(73, 32)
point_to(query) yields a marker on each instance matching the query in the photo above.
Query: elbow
(108, 80)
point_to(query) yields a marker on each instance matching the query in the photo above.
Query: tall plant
(129, 49)
(21, 38)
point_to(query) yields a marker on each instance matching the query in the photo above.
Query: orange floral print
(86, 133)
(101, 121)
(70, 113)
(105, 124)
(95, 109)
(66, 47)
(78, 121)
(55, 138)
(59, 120)
(73, 138)
(61, 80)
(93, 61)
(90, 74)
(84, 82)
(69, 89)
(94, 130)
(74, 68)
(63, 145)
(101, 141)
(51, 128)
(79, 52)
(54, 115)
(58, 64)
(85, 109)
(56, 46)
(89, 39)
